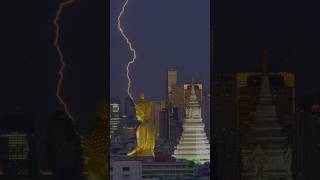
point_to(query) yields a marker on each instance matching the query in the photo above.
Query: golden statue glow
(145, 132)
(95, 147)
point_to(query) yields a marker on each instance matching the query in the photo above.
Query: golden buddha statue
(145, 133)
(95, 146)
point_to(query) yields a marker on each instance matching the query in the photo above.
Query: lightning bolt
(130, 47)
(61, 58)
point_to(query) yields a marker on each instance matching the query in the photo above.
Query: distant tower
(171, 81)
(129, 109)
(267, 154)
(193, 144)
(17, 146)
(156, 107)
(115, 115)
(169, 126)
(178, 100)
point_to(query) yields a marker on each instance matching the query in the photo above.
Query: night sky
(29, 64)
(165, 33)
(289, 30)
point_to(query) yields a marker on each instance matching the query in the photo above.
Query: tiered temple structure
(266, 155)
(193, 144)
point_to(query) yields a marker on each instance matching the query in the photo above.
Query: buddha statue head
(143, 109)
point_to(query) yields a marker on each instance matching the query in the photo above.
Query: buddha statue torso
(145, 133)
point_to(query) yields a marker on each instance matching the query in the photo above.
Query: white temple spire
(193, 144)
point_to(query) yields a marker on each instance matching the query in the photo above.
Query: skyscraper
(193, 144)
(174, 129)
(169, 130)
(17, 145)
(178, 100)
(156, 107)
(164, 123)
(129, 110)
(171, 81)
(115, 115)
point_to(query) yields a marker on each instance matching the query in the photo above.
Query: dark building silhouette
(65, 156)
(17, 146)
(170, 128)
(164, 123)
(129, 109)
(308, 136)
(171, 81)
(226, 154)
(118, 112)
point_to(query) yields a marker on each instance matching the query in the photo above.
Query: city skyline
(230, 92)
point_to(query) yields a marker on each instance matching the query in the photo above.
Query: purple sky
(165, 33)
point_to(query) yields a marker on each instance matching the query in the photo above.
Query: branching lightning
(130, 47)
(61, 57)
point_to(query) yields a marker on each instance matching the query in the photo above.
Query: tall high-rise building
(178, 100)
(17, 146)
(117, 111)
(171, 81)
(193, 144)
(156, 107)
(115, 115)
(129, 110)
(164, 123)
(174, 129)
(169, 125)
